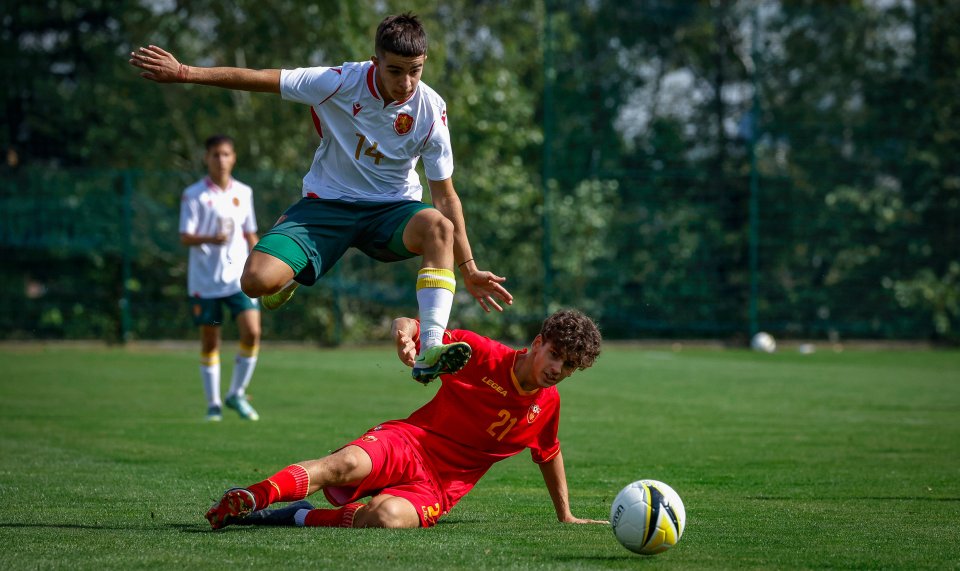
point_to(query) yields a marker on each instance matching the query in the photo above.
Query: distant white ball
(763, 342)
(647, 517)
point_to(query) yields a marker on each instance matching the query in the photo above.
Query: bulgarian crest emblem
(403, 124)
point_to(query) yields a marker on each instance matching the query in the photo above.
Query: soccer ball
(647, 517)
(763, 342)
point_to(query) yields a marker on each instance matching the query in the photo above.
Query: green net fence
(675, 169)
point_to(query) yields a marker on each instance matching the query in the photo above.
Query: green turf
(785, 461)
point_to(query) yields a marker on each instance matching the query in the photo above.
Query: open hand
(406, 348)
(485, 287)
(581, 520)
(158, 65)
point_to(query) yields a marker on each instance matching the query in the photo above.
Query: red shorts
(398, 470)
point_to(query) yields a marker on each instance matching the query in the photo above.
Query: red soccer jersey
(480, 416)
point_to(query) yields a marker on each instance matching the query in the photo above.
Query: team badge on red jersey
(403, 124)
(532, 413)
(368, 438)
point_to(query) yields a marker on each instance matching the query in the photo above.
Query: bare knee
(248, 322)
(264, 274)
(388, 512)
(348, 465)
(256, 284)
(440, 231)
(428, 233)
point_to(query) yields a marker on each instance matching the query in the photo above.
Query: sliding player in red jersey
(416, 470)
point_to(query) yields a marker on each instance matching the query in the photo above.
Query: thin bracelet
(460, 265)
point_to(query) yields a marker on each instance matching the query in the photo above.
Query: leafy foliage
(603, 156)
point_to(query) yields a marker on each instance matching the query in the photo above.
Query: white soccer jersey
(206, 209)
(368, 152)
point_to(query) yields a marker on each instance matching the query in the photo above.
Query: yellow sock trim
(210, 359)
(436, 277)
(249, 350)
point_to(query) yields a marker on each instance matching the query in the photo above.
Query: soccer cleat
(214, 414)
(235, 505)
(279, 516)
(440, 360)
(239, 403)
(275, 300)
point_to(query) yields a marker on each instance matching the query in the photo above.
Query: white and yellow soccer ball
(647, 517)
(763, 342)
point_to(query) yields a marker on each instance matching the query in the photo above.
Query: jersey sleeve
(438, 151)
(189, 214)
(310, 85)
(482, 349)
(250, 220)
(547, 444)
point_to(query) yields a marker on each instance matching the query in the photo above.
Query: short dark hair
(401, 34)
(216, 140)
(574, 335)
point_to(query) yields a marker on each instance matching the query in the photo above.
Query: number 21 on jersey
(501, 427)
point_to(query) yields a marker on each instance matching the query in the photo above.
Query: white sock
(435, 289)
(210, 375)
(243, 367)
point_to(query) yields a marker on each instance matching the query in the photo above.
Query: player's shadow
(599, 558)
(182, 527)
(117, 527)
(878, 498)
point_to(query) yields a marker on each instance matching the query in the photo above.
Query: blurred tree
(634, 118)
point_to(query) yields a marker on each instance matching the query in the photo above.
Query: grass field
(785, 461)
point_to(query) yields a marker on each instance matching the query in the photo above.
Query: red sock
(340, 517)
(287, 485)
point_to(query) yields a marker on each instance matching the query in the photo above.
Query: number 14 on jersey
(371, 150)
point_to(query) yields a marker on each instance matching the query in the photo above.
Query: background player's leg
(210, 369)
(248, 322)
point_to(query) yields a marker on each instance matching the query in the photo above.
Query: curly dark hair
(574, 335)
(402, 34)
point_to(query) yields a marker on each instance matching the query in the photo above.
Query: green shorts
(209, 311)
(313, 234)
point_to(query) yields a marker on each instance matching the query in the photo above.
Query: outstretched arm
(484, 286)
(404, 332)
(555, 477)
(160, 66)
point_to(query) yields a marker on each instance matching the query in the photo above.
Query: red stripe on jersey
(430, 132)
(331, 95)
(316, 122)
(371, 84)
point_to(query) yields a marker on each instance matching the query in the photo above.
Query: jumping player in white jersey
(218, 224)
(375, 120)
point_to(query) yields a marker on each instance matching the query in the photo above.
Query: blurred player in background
(375, 120)
(415, 470)
(218, 224)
